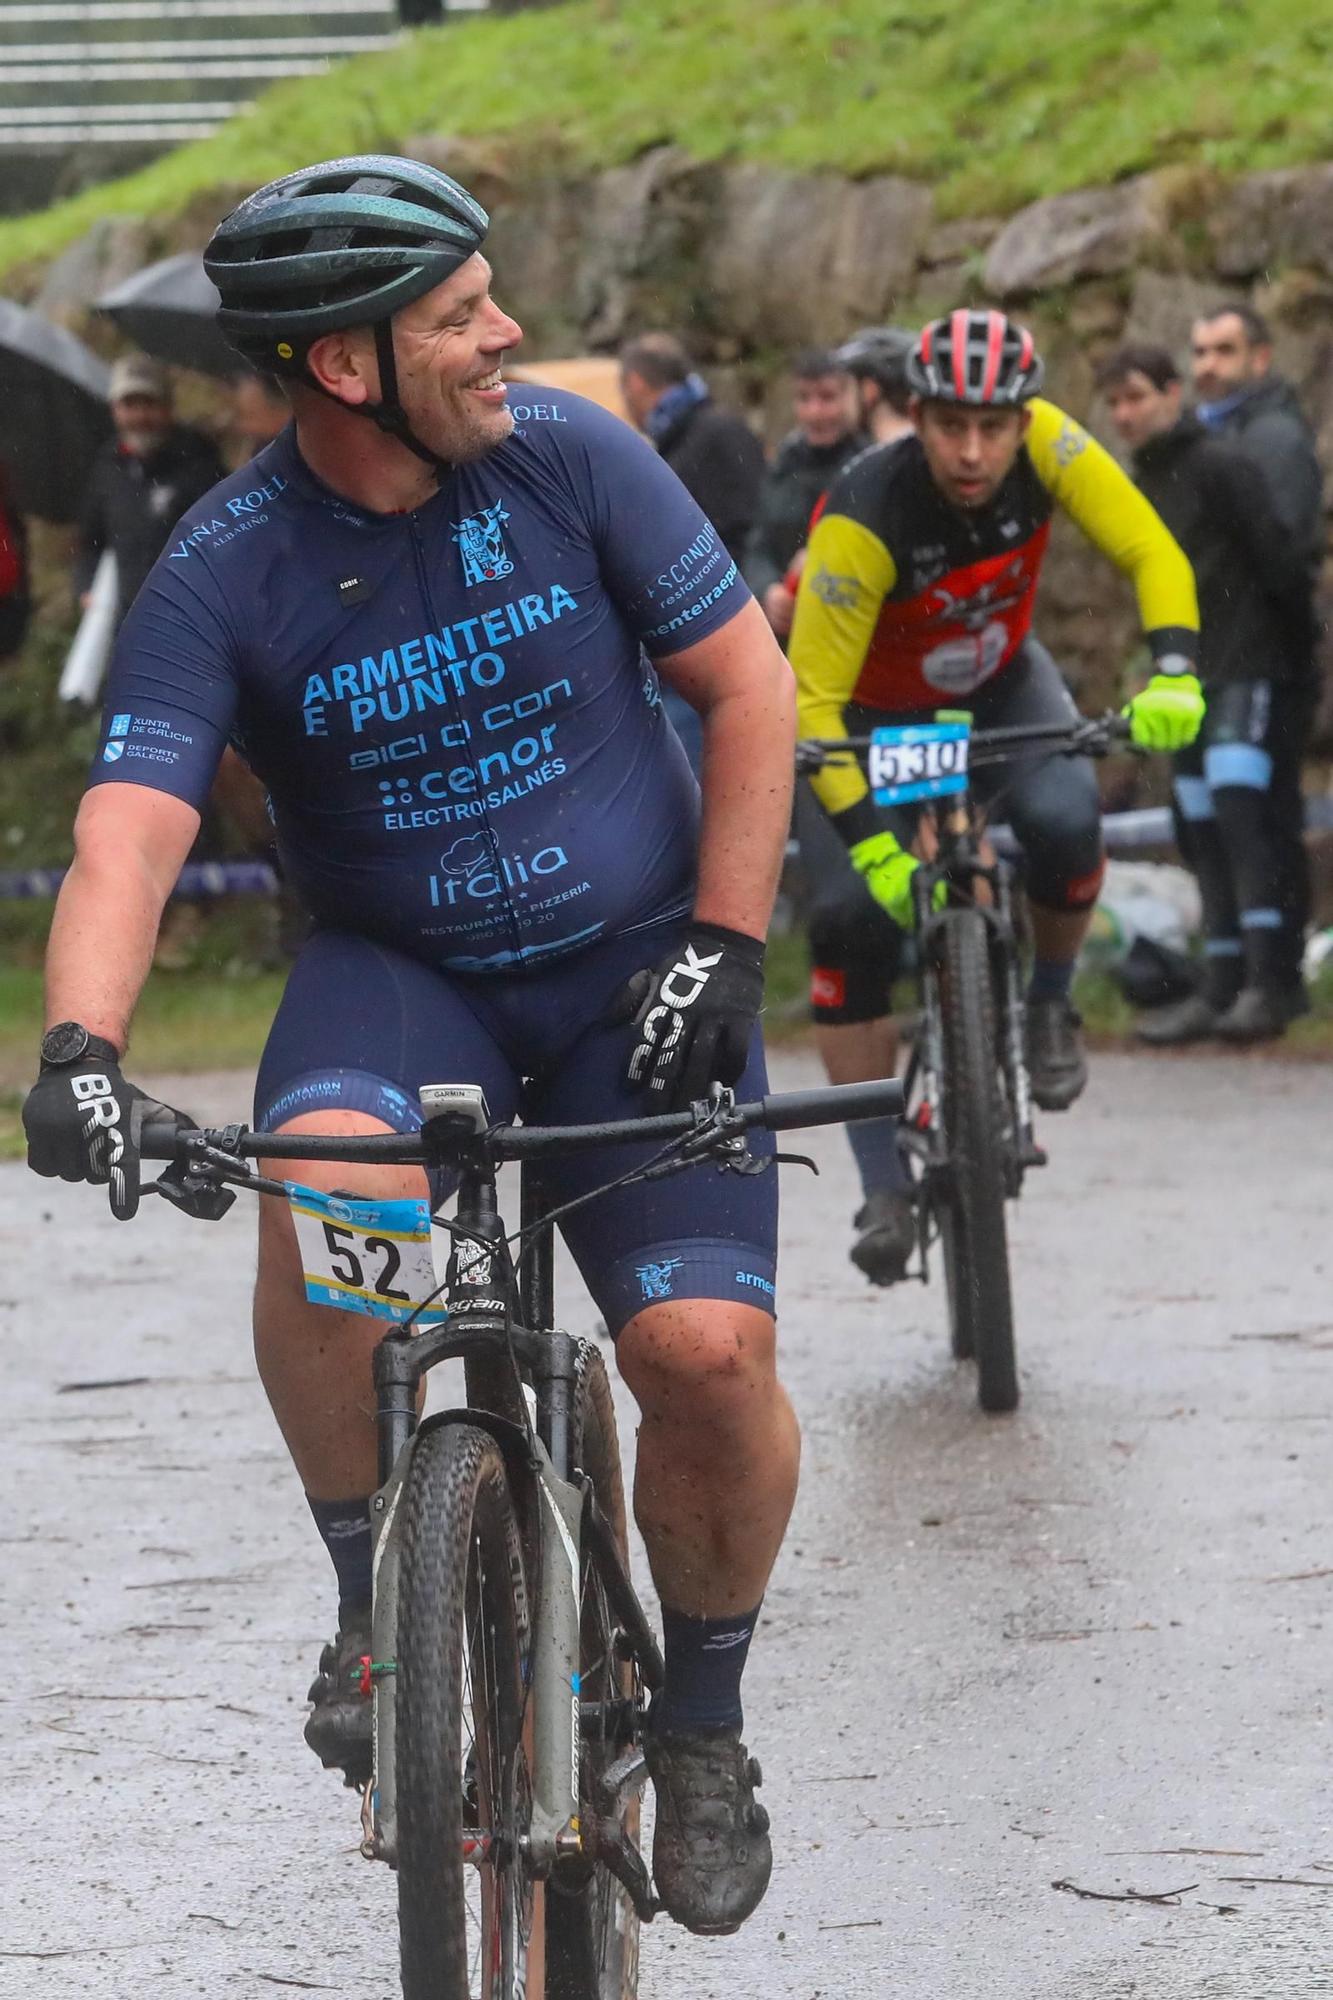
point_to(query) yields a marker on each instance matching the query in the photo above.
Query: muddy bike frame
(520, 1375)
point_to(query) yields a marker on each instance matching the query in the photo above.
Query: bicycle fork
(554, 1684)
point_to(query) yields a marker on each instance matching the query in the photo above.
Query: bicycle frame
(560, 1511)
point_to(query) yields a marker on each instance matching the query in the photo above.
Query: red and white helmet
(980, 358)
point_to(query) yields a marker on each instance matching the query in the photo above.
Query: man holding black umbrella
(143, 479)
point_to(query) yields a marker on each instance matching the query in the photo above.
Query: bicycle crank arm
(606, 1839)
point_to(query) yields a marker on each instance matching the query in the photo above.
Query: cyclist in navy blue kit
(434, 616)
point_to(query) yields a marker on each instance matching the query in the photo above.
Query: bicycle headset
(981, 359)
(346, 243)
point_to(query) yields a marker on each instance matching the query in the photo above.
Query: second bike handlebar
(783, 1111)
(1089, 736)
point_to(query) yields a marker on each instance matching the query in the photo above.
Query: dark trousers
(1239, 820)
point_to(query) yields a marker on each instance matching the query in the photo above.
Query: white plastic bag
(86, 663)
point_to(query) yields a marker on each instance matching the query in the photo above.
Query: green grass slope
(993, 102)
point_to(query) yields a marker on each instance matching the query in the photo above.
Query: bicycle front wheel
(972, 1226)
(465, 1897)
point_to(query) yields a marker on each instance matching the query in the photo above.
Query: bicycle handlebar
(783, 1111)
(1089, 736)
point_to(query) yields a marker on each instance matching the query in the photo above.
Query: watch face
(64, 1043)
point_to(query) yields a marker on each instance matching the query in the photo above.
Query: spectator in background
(826, 435)
(1234, 784)
(876, 360)
(713, 452)
(259, 410)
(1240, 395)
(142, 480)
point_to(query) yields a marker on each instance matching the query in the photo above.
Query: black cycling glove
(83, 1121)
(695, 1015)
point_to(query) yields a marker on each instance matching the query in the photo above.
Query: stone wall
(750, 264)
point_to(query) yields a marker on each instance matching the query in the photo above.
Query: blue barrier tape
(1126, 831)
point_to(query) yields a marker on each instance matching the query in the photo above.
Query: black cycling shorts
(361, 1027)
(1052, 804)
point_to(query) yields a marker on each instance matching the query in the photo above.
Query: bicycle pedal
(1033, 1155)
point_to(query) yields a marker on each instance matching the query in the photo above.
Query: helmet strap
(389, 413)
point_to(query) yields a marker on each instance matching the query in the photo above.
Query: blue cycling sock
(345, 1526)
(1052, 979)
(705, 1658)
(875, 1150)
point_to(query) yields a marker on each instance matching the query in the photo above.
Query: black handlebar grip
(835, 1104)
(159, 1139)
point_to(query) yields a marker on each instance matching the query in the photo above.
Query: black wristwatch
(70, 1042)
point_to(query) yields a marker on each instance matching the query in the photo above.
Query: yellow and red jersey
(909, 603)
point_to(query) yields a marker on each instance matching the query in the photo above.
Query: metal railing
(146, 72)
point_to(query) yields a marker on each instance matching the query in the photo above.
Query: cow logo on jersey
(481, 545)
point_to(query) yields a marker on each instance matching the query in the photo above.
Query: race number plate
(922, 760)
(365, 1256)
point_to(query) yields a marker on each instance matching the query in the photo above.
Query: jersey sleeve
(172, 691)
(664, 563)
(848, 573)
(1116, 518)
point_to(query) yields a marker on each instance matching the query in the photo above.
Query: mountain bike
(967, 1135)
(511, 1661)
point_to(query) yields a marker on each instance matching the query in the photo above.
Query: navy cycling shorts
(361, 1027)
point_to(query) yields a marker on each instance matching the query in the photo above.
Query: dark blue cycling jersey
(453, 710)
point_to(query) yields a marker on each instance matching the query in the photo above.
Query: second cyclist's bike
(967, 1134)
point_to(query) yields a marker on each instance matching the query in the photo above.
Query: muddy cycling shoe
(338, 1729)
(1257, 1014)
(711, 1852)
(1193, 1019)
(886, 1226)
(1053, 1048)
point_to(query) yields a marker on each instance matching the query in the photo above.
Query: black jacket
(1271, 428)
(132, 504)
(720, 462)
(1253, 583)
(799, 474)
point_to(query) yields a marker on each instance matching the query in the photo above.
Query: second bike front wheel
(976, 1250)
(465, 1896)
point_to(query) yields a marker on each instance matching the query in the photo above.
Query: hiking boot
(711, 1852)
(886, 1221)
(1190, 1020)
(1257, 1014)
(1053, 1050)
(338, 1729)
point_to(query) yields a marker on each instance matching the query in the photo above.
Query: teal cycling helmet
(346, 243)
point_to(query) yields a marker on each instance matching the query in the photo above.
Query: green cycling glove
(888, 870)
(1168, 714)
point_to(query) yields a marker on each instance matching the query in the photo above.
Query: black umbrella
(169, 311)
(53, 413)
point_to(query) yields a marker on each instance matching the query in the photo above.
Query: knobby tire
(464, 1632)
(976, 1253)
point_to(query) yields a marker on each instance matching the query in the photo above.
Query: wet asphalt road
(1091, 1644)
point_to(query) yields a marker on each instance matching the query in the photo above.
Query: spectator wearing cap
(142, 480)
(1233, 784)
(713, 452)
(826, 436)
